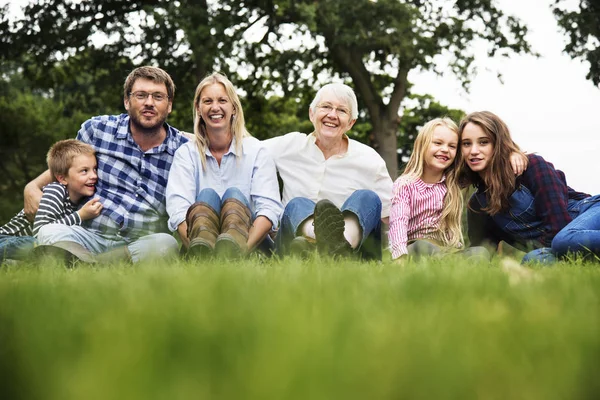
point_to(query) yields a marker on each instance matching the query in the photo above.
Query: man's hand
(90, 210)
(33, 194)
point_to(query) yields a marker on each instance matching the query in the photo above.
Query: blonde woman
(222, 193)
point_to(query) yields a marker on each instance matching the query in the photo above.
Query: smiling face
(81, 178)
(331, 117)
(215, 107)
(148, 114)
(442, 149)
(477, 148)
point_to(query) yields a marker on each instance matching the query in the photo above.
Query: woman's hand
(518, 162)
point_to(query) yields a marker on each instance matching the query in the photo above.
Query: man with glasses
(336, 191)
(135, 152)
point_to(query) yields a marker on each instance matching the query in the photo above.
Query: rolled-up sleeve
(181, 186)
(265, 188)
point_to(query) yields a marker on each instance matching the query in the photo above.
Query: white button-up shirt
(306, 173)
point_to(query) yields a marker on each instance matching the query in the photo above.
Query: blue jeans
(15, 247)
(212, 198)
(145, 248)
(581, 235)
(365, 204)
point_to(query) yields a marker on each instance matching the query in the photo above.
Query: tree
(29, 124)
(276, 47)
(583, 30)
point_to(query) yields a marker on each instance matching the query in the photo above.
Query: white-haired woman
(336, 190)
(222, 193)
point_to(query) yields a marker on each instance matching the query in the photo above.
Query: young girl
(426, 199)
(537, 210)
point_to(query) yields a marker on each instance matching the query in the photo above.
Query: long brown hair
(450, 221)
(500, 181)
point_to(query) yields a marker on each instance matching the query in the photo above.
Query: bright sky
(547, 103)
(549, 106)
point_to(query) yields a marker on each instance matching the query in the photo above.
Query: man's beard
(147, 128)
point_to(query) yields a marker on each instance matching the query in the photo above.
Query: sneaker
(67, 252)
(329, 230)
(302, 247)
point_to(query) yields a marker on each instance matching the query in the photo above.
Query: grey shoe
(302, 247)
(329, 230)
(67, 252)
(114, 255)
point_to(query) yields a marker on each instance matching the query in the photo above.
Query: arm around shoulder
(33, 193)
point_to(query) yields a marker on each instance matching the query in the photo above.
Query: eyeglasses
(142, 96)
(340, 111)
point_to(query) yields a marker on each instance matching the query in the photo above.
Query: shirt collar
(312, 140)
(421, 186)
(232, 149)
(170, 145)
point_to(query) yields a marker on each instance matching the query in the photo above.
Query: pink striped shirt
(416, 212)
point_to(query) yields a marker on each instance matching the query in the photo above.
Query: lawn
(291, 329)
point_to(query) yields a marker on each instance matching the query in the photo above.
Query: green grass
(296, 330)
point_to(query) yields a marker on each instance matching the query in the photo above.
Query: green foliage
(296, 330)
(583, 30)
(268, 48)
(29, 124)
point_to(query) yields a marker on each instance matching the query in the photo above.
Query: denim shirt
(520, 222)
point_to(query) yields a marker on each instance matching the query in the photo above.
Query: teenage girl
(534, 211)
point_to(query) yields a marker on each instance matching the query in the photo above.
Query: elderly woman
(336, 190)
(222, 193)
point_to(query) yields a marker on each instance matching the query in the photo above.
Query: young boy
(73, 165)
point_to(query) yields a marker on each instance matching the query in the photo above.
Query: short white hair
(344, 93)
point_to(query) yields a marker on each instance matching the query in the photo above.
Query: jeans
(365, 204)
(211, 197)
(15, 247)
(581, 235)
(145, 248)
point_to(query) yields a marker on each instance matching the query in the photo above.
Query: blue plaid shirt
(131, 183)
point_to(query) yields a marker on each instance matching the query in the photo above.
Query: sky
(549, 106)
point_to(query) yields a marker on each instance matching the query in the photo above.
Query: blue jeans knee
(210, 197)
(366, 205)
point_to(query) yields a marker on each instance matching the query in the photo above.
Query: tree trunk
(385, 142)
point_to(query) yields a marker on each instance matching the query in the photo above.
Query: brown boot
(203, 229)
(236, 219)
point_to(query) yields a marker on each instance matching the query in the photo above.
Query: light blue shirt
(253, 173)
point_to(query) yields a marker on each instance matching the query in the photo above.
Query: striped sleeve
(55, 209)
(399, 217)
(17, 226)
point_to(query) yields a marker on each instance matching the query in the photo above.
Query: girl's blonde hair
(500, 180)
(451, 219)
(237, 125)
